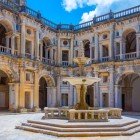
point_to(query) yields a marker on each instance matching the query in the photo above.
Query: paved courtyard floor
(8, 131)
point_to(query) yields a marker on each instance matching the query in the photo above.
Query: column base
(22, 110)
(37, 109)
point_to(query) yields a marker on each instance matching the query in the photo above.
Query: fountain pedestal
(81, 92)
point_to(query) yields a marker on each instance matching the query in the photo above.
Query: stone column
(116, 96)
(101, 52)
(13, 44)
(91, 53)
(70, 96)
(23, 40)
(21, 88)
(18, 45)
(41, 51)
(32, 49)
(51, 96)
(111, 50)
(37, 44)
(7, 43)
(36, 91)
(96, 92)
(137, 45)
(121, 50)
(96, 47)
(111, 89)
(13, 96)
(71, 51)
(58, 91)
(59, 52)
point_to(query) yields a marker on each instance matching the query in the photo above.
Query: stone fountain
(82, 81)
(81, 111)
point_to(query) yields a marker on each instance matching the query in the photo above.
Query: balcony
(5, 50)
(28, 55)
(65, 63)
(48, 61)
(105, 59)
(126, 56)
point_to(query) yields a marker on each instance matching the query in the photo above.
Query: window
(28, 77)
(28, 46)
(117, 48)
(117, 34)
(105, 51)
(105, 79)
(49, 54)
(93, 39)
(65, 55)
(65, 83)
(76, 53)
(29, 32)
(64, 99)
(76, 42)
(105, 36)
(65, 42)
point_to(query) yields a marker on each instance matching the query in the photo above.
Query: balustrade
(88, 115)
(28, 55)
(129, 56)
(55, 113)
(65, 63)
(105, 59)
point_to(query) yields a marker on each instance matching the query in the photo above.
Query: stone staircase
(81, 129)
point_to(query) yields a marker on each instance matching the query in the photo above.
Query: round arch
(46, 82)
(9, 26)
(128, 87)
(7, 76)
(129, 40)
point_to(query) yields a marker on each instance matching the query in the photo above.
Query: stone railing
(91, 115)
(115, 113)
(56, 113)
(88, 115)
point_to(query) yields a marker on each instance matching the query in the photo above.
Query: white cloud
(102, 6)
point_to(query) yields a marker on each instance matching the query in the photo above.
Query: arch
(12, 75)
(129, 40)
(4, 90)
(49, 79)
(129, 91)
(86, 44)
(46, 42)
(9, 26)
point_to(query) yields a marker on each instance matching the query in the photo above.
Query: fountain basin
(81, 80)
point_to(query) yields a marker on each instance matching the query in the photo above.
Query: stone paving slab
(8, 131)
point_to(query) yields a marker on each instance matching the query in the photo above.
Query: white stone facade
(31, 50)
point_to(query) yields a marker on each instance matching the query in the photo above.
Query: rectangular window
(65, 55)
(93, 39)
(64, 99)
(28, 77)
(105, 79)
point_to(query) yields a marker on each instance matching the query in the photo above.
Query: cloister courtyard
(8, 122)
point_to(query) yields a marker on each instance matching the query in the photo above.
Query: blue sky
(76, 11)
(56, 12)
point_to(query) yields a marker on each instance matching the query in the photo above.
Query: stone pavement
(8, 131)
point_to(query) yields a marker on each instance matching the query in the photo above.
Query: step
(69, 134)
(84, 125)
(99, 129)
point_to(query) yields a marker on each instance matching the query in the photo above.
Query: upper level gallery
(110, 37)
